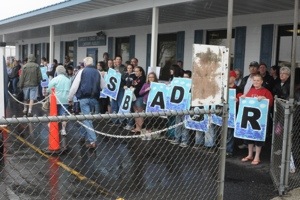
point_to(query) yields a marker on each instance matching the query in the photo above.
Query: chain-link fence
(285, 158)
(294, 176)
(150, 164)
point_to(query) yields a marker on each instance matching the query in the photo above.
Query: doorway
(92, 52)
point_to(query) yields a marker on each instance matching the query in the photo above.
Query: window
(69, 50)
(219, 37)
(122, 48)
(284, 47)
(166, 53)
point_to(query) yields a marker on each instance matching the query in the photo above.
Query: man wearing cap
(247, 82)
(61, 83)
(30, 79)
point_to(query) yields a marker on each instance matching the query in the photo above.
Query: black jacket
(282, 91)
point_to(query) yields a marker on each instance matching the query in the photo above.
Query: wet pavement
(120, 168)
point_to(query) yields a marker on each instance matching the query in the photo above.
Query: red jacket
(261, 92)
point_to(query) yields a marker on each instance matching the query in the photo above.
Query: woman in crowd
(14, 77)
(110, 64)
(259, 92)
(62, 85)
(129, 76)
(175, 71)
(239, 77)
(138, 105)
(101, 66)
(274, 72)
(104, 102)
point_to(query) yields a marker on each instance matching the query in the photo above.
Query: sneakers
(183, 145)
(174, 142)
(243, 146)
(25, 112)
(128, 127)
(229, 155)
(197, 146)
(63, 132)
(91, 145)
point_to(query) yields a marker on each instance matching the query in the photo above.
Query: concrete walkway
(291, 195)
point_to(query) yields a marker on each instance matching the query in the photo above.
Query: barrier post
(54, 141)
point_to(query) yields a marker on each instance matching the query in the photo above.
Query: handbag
(46, 105)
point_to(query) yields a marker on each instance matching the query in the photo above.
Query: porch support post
(153, 59)
(51, 44)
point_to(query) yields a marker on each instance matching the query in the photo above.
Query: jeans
(14, 82)
(116, 104)
(180, 131)
(88, 106)
(171, 132)
(208, 138)
(230, 140)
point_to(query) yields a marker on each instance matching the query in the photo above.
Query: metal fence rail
(124, 165)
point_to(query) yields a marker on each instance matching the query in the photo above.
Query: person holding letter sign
(260, 93)
(138, 105)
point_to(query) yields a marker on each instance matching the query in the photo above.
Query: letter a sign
(251, 121)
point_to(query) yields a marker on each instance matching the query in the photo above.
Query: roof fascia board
(122, 8)
(43, 10)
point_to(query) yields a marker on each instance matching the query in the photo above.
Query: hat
(254, 64)
(60, 70)
(232, 73)
(31, 58)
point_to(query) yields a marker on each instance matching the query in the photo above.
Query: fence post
(284, 148)
(289, 144)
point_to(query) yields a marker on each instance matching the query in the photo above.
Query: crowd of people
(80, 88)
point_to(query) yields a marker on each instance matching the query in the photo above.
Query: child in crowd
(181, 133)
(230, 138)
(144, 92)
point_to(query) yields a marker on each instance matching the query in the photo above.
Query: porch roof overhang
(77, 16)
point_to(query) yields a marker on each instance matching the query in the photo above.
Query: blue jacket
(87, 84)
(62, 85)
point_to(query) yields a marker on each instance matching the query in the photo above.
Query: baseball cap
(232, 73)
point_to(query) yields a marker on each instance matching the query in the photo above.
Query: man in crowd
(115, 104)
(30, 79)
(268, 80)
(86, 87)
